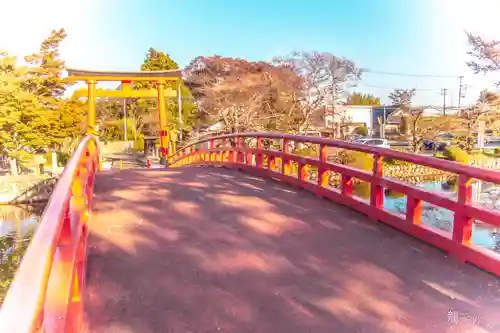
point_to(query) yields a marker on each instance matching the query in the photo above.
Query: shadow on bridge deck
(214, 250)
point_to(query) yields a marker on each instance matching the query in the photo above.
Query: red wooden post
(303, 172)
(322, 173)
(210, 153)
(259, 156)
(249, 158)
(271, 162)
(285, 162)
(414, 210)
(202, 152)
(227, 144)
(239, 146)
(377, 191)
(346, 185)
(462, 224)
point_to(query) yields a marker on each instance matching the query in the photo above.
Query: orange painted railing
(280, 163)
(47, 292)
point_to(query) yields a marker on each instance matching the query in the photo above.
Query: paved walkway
(214, 250)
(125, 161)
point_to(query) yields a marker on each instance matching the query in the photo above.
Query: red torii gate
(160, 78)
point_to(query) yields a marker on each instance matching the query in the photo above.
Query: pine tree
(160, 61)
(157, 61)
(23, 126)
(363, 99)
(45, 74)
(45, 80)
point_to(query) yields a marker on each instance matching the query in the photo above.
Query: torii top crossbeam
(91, 75)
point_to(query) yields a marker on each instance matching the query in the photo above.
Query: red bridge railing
(47, 292)
(248, 151)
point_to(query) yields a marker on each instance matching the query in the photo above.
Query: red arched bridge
(197, 247)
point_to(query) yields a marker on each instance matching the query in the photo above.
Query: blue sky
(408, 36)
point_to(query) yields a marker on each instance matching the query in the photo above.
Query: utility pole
(443, 93)
(125, 119)
(179, 105)
(383, 123)
(460, 78)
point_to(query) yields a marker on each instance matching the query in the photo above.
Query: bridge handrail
(43, 295)
(221, 151)
(444, 165)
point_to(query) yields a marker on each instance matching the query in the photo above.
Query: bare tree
(486, 54)
(428, 128)
(402, 97)
(326, 78)
(414, 122)
(243, 95)
(486, 109)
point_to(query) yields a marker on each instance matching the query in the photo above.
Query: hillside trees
(244, 95)
(363, 99)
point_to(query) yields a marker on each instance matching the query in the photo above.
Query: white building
(355, 114)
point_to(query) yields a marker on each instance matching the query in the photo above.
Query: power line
(393, 88)
(367, 70)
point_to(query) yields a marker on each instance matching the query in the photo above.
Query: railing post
(414, 210)
(285, 162)
(303, 171)
(202, 152)
(239, 154)
(248, 156)
(462, 224)
(232, 154)
(226, 146)
(346, 185)
(192, 154)
(322, 173)
(210, 152)
(377, 191)
(259, 156)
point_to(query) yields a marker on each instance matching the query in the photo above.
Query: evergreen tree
(45, 80)
(23, 126)
(157, 61)
(363, 99)
(33, 112)
(160, 61)
(45, 74)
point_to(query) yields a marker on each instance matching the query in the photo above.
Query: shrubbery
(456, 154)
(62, 158)
(306, 152)
(361, 130)
(360, 160)
(139, 144)
(439, 154)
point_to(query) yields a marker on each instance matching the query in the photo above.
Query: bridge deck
(215, 250)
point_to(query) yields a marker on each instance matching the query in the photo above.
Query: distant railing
(47, 292)
(248, 151)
